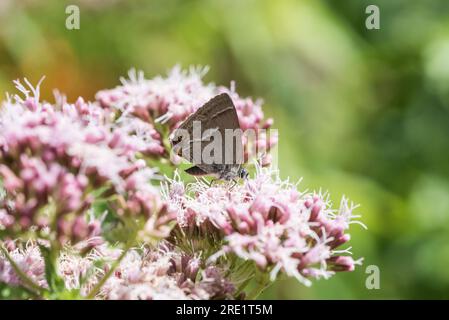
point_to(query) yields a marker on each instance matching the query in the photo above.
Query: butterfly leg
(234, 183)
(211, 183)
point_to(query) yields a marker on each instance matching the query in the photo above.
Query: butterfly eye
(176, 140)
(244, 174)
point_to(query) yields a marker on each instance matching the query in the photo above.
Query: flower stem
(30, 284)
(108, 274)
(262, 284)
(257, 291)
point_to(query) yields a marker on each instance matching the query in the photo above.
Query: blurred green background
(360, 112)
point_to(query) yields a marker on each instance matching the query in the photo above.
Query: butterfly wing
(181, 138)
(223, 116)
(196, 171)
(218, 114)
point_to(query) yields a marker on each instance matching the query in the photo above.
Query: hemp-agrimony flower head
(267, 220)
(55, 158)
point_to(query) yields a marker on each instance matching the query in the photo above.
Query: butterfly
(211, 139)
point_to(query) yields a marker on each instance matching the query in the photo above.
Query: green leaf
(14, 293)
(55, 282)
(66, 295)
(122, 230)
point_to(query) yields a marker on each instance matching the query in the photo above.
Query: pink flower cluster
(54, 157)
(144, 274)
(29, 260)
(268, 221)
(165, 273)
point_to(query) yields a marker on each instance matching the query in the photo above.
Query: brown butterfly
(216, 134)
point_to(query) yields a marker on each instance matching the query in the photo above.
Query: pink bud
(31, 104)
(79, 228)
(342, 263)
(315, 212)
(10, 181)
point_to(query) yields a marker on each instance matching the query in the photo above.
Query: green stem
(35, 288)
(262, 284)
(108, 274)
(242, 287)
